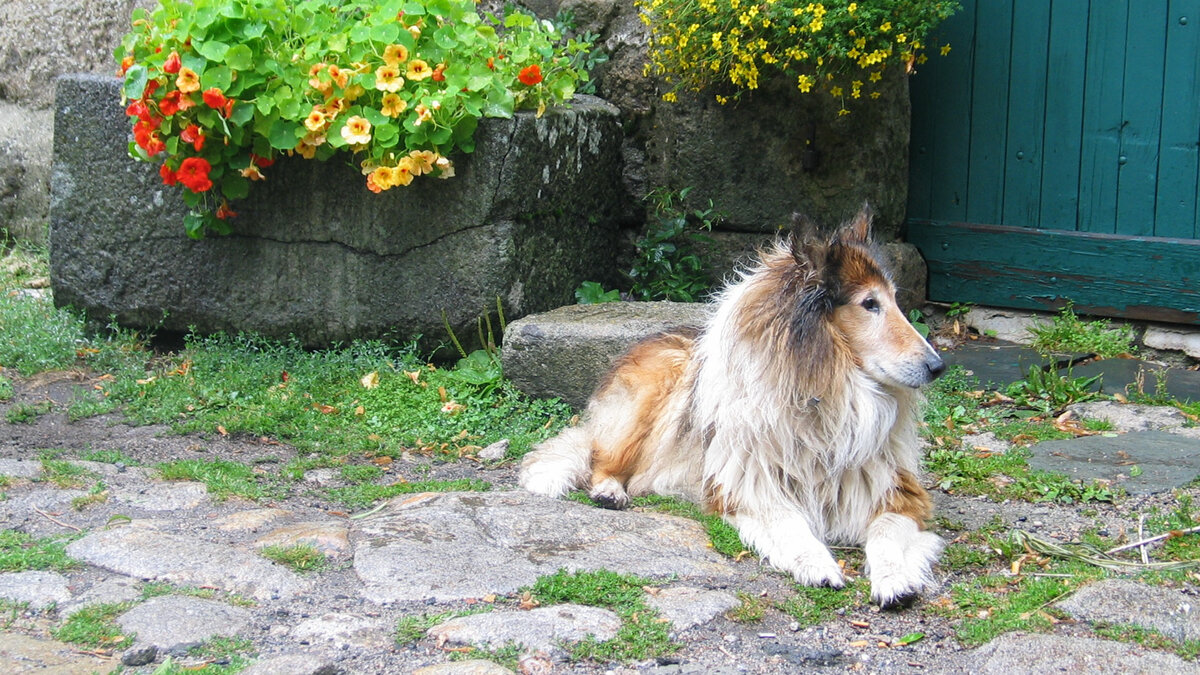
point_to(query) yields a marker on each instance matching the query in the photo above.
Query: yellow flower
(418, 70)
(901, 38)
(188, 81)
(885, 26)
(805, 83)
(424, 114)
(357, 131)
(861, 43)
(315, 120)
(384, 177)
(836, 91)
(922, 59)
(875, 76)
(842, 112)
(393, 105)
(387, 78)
(421, 161)
(670, 97)
(874, 94)
(945, 49)
(403, 173)
(394, 55)
(852, 8)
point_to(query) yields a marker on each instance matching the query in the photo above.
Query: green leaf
(219, 77)
(193, 224)
(909, 639)
(212, 50)
(360, 33)
(234, 186)
(386, 33)
(135, 81)
(283, 134)
(239, 57)
(242, 112)
(254, 30)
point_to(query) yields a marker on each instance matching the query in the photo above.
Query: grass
(992, 605)
(750, 609)
(95, 627)
(154, 589)
(1007, 475)
(6, 389)
(722, 535)
(223, 478)
(641, 636)
(1188, 650)
(97, 494)
(364, 495)
(108, 457)
(20, 552)
(1068, 333)
(813, 606)
(27, 413)
(410, 629)
(299, 557)
(64, 474)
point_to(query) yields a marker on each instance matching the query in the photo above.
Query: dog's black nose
(935, 365)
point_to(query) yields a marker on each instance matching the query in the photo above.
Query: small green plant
(360, 473)
(223, 478)
(592, 293)
(992, 605)
(363, 495)
(750, 609)
(1048, 392)
(482, 367)
(27, 413)
(813, 606)
(958, 309)
(1189, 650)
(97, 494)
(20, 552)
(410, 629)
(65, 474)
(220, 88)
(724, 537)
(110, 456)
(1068, 333)
(6, 389)
(917, 319)
(299, 557)
(95, 626)
(670, 263)
(641, 635)
(154, 589)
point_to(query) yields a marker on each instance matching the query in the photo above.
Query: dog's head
(848, 289)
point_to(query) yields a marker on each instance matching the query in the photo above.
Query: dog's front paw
(899, 573)
(610, 494)
(817, 570)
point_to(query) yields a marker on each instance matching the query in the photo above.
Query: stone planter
(534, 211)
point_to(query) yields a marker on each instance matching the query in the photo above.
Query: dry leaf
(860, 624)
(527, 601)
(442, 394)
(859, 643)
(370, 380)
(324, 409)
(360, 410)
(221, 430)
(452, 408)
(489, 598)
(414, 375)
(148, 380)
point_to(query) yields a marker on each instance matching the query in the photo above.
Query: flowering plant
(218, 89)
(837, 47)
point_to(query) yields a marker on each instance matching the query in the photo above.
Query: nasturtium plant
(837, 48)
(218, 89)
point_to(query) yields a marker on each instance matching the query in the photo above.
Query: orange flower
(383, 176)
(172, 63)
(530, 75)
(394, 55)
(334, 106)
(168, 176)
(372, 185)
(193, 173)
(188, 81)
(126, 64)
(402, 174)
(307, 146)
(357, 131)
(393, 105)
(147, 139)
(315, 120)
(424, 114)
(253, 173)
(418, 70)
(421, 161)
(340, 77)
(192, 134)
(261, 162)
(224, 212)
(215, 98)
(387, 78)
(438, 73)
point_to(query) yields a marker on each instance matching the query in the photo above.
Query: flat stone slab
(23, 654)
(685, 606)
(146, 554)
(294, 664)
(39, 589)
(342, 631)
(564, 352)
(1166, 461)
(1127, 417)
(176, 622)
(1124, 602)
(1126, 376)
(994, 363)
(329, 537)
(251, 520)
(452, 546)
(1020, 653)
(111, 590)
(472, 667)
(542, 629)
(20, 468)
(174, 496)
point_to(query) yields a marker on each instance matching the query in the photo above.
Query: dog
(792, 413)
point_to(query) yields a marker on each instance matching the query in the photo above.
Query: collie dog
(792, 413)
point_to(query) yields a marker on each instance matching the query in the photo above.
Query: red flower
(126, 64)
(151, 87)
(139, 110)
(169, 105)
(438, 74)
(147, 139)
(228, 108)
(261, 162)
(168, 176)
(172, 64)
(193, 135)
(531, 75)
(224, 212)
(215, 98)
(193, 173)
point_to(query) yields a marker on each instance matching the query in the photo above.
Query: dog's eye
(870, 304)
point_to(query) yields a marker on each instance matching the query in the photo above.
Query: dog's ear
(808, 247)
(858, 230)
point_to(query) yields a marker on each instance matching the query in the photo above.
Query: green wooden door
(1055, 156)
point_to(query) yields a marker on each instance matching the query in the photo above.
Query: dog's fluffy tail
(558, 465)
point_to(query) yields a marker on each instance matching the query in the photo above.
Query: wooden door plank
(989, 108)
(1103, 99)
(948, 200)
(1026, 114)
(1144, 58)
(1059, 207)
(1175, 208)
(1147, 278)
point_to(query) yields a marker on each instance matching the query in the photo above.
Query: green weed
(65, 474)
(410, 629)
(1047, 391)
(223, 478)
(1150, 638)
(724, 537)
(812, 606)
(992, 605)
(360, 473)
(6, 389)
(669, 262)
(299, 557)
(108, 457)
(20, 552)
(1068, 333)
(27, 413)
(750, 609)
(958, 557)
(97, 494)
(592, 293)
(641, 636)
(362, 496)
(1008, 476)
(95, 626)
(154, 589)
